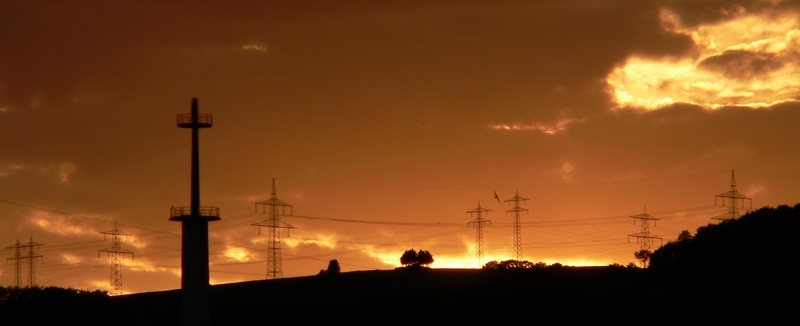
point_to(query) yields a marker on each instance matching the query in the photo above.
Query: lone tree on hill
(409, 257)
(424, 258)
(643, 256)
(413, 258)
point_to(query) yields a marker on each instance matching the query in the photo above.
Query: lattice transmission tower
(733, 197)
(275, 208)
(517, 210)
(19, 258)
(116, 255)
(644, 238)
(478, 222)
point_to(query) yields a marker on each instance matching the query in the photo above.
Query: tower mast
(478, 222)
(517, 210)
(734, 198)
(116, 255)
(275, 208)
(195, 289)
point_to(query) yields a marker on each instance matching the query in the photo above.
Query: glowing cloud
(71, 259)
(144, 266)
(60, 225)
(321, 240)
(238, 253)
(750, 60)
(9, 169)
(255, 47)
(543, 128)
(65, 170)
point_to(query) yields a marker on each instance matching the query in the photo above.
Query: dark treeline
(741, 272)
(53, 306)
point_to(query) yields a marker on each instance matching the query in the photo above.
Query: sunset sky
(383, 123)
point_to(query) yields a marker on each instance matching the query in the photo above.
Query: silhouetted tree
(333, 267)
(685, 236)
(408, 258)
(643, 256)
(424, 258)
(509, 264)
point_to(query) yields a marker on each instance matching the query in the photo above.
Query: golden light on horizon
(750, 61)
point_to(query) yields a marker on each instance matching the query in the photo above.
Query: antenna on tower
(195, 287)
(733, 197)
(478, 222)
(517, 229)
(116, 255)
(31, 257)
(644, 238)
(275, 208)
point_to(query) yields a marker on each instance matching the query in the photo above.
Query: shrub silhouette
(413, 258)
(333, 267)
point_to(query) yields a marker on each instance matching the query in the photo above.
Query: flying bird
(495, 196)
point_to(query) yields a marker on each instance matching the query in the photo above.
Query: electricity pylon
(31, 257)
(733, 197)
(275, 208)
(478, 222)
(644, 238)
(17, 247)
(116, 255)
(517, 229)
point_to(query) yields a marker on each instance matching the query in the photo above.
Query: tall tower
(30, 256)
(195, 290)
(734, 198)
(517, 210)
(275, 208)
(644, 238)
(116, 255)
(478, 222)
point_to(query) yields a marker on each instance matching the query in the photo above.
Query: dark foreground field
(585, 295)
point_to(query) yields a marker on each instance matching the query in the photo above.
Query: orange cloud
(61, 225)
(552, 129)
(750, 60)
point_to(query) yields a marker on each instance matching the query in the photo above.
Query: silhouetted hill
(53, 306)
(742, 268)
(764, 241)
(576, 294)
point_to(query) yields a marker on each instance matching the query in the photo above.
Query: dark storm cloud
(743, 64)
(694, 13)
